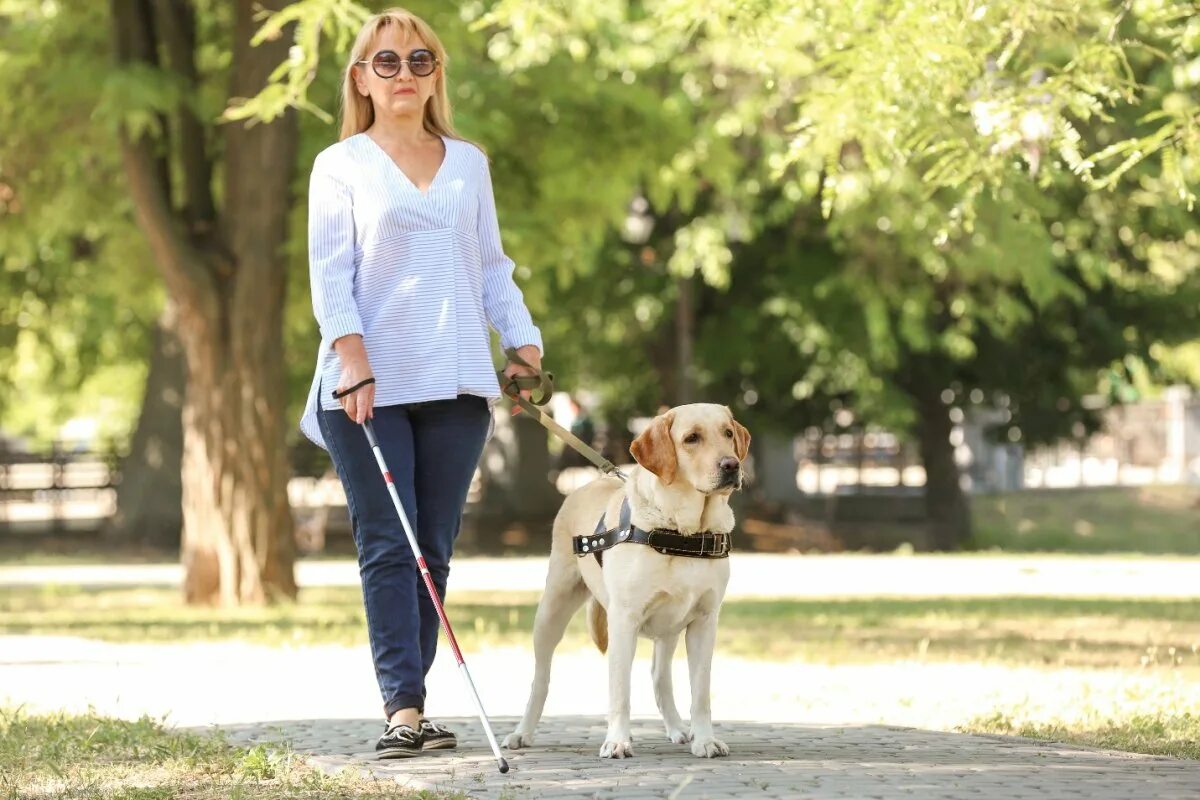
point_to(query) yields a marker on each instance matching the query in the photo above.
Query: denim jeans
(432, 450)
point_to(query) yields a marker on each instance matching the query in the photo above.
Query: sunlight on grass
(1161, 733)
(92, 757)
(1150, 520)
(1040, 631)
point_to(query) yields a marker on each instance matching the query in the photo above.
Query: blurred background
(944, 267)
(941, 257)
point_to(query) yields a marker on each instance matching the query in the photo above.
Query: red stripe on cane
(387, 476)
(437, 603)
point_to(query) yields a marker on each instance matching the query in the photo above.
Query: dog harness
(670, 543)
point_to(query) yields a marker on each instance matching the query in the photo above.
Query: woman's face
(404, 93)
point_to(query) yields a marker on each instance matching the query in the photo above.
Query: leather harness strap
(671, 543)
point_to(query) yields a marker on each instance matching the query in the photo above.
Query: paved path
(766, 761)
(757, 575)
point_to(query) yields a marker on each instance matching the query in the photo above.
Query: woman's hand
(358, 405)
(531, 354)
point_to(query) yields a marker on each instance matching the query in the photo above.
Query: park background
(940, 256)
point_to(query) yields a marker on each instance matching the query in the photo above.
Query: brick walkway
(766, 761)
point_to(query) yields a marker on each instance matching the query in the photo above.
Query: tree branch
(181, 266)
(176, 24)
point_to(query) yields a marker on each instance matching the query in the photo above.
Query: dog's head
(700, 444)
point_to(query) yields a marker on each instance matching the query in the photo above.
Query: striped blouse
(421, 275)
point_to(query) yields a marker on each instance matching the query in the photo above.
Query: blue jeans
(431, 449)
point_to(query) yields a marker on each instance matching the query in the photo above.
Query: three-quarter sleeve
(503, 301)
(331, 254)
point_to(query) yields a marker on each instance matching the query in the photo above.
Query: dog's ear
(654, 450)
(741, 438)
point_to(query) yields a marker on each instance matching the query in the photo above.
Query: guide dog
(689, 462)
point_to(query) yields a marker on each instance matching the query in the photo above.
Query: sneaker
(437, 736)
(399, 741)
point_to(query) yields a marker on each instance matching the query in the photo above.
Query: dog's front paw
(518, 740)
(612, 749)
(710, 748)
(679, 736)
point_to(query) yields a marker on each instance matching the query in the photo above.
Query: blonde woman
(407, 273)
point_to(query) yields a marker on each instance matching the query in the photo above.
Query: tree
(79, 324)
(804, 139)
(213, 203)
(926, 134)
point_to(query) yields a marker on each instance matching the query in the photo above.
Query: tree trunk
(226, 272)
(775, 469)
(237, 543)
(685, 336)
(535, 496)
(150, 496)
(945, 502)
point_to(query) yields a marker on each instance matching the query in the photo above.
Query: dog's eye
(691, 438)
(729, 433)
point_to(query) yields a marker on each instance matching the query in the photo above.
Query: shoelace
(437, 726)
(402, 731)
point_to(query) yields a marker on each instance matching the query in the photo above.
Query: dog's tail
(597, 619)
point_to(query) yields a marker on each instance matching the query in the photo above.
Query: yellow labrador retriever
(689, 462)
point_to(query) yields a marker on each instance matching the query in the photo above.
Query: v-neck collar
(433, 182)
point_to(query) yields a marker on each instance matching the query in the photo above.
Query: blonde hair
(358, 112)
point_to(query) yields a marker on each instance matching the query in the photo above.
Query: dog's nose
(729, 464)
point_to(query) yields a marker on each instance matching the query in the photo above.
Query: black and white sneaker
(399, 741)
(437, 736)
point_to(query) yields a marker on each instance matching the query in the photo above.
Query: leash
(543, 383)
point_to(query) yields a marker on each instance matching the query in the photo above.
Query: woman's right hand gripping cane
(359, 405)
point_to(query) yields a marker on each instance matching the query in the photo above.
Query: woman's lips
(405, 91)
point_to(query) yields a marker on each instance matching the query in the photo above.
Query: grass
(90, 757)
(1163, 734)
(1155, 643)
(1040, 631)
(1154, 520)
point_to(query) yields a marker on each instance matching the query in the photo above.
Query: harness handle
(541, 381)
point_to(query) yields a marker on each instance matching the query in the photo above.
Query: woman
(407, 272)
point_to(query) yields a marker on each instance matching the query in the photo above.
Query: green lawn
(88, 757)
(1164, 734)
(1158, 640)
(1041, 631)
(1151, 520)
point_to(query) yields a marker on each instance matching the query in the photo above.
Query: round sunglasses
(387, 63)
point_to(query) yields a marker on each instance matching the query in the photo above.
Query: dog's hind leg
(563, 596)
(664, 690)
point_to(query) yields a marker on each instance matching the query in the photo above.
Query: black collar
(671, 543)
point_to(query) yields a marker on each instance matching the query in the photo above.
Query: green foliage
(846, 190)
(958, 91)
(78, 293)
(336, 20)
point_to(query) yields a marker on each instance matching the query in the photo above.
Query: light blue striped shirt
(420, 276)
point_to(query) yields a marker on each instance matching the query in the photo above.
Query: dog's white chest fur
(667, 612)
(659, 595)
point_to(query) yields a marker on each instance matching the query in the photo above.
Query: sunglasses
(387, 63)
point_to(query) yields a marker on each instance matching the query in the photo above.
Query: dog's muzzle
(729, 474)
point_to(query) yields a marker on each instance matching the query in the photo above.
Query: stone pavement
(766, 761)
